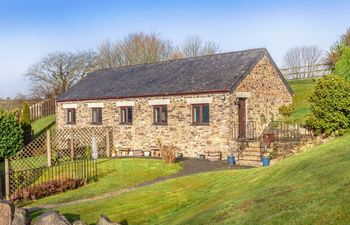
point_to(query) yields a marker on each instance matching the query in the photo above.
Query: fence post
(71, 145)
(48, 148)
(7, 179)
(108, 150)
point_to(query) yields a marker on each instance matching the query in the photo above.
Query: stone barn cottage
(199, 104)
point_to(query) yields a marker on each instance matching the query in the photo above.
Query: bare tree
(59, 71)
(194, 46)
(301, 60)
(135, 48)
(110, 55)
(145, 48)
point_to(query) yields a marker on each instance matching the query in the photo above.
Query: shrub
(330, 106)
(25, 123)
(169, 153)
(342, 67)
(25, 115)
(286, 110)
(11, 138)
(47, 189)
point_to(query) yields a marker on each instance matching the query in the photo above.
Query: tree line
(56, 72)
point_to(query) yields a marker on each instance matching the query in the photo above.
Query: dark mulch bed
(193, 166)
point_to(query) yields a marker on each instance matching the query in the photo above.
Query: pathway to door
(190, 166)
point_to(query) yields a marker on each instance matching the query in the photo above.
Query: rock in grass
(21, 217)
(79, 222)
(105, 221)
(51, 218)
(7, 210)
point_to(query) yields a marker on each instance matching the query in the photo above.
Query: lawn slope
(309, 188)
(39, 126)
(302, 90)
(113, 175)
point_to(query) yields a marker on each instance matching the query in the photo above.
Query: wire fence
(57, 155)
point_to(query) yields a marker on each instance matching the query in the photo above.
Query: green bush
(25, 115)
(286, 110)
(330, 106)
(342, 67)
(25, 123)
(11, 136)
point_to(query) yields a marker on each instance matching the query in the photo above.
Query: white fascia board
(95, 105)
(70, 106)
(207, 100)
(159, 102)
(124, 103)
(243, 94)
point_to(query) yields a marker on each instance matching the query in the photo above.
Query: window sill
(160, 124)
(125, 123)
(71, 124)
(200, 124)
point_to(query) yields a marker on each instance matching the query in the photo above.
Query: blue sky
(31, 29)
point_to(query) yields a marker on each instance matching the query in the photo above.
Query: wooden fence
(302, 72)
(42, 109)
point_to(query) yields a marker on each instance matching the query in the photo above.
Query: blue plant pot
(266, 161)
(231, 160)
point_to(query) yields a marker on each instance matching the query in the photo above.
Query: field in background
(39, 126)
(302, 90)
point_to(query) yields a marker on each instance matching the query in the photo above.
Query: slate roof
(211, 73)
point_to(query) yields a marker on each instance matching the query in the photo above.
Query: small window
(96, 115)
(126, 115)
(160, 114)
(200, 114)
(70, 116)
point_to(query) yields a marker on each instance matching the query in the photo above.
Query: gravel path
(190, 166)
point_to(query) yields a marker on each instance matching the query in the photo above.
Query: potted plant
(265, 158)
(179, 155)
(147, 153)
(231, 159)
(201, 156)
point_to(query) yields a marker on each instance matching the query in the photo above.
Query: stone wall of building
(267, 93)
(142, 134)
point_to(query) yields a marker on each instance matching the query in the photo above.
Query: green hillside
(308, 188)
(41, 125)
(302, 90)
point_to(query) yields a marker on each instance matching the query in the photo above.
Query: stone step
(249, 163)
(251, 149)
(255, 153)
(254, 144)
(250, 157)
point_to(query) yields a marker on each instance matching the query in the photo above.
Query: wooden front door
(242, 114)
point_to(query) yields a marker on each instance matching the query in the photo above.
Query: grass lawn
(309, 188)
(39, 126)
(302, 90)
(115, 174)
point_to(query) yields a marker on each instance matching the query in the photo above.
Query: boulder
(21, 217)
(7, 210)
(51, 218)
(79, 222)
(105, 221)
